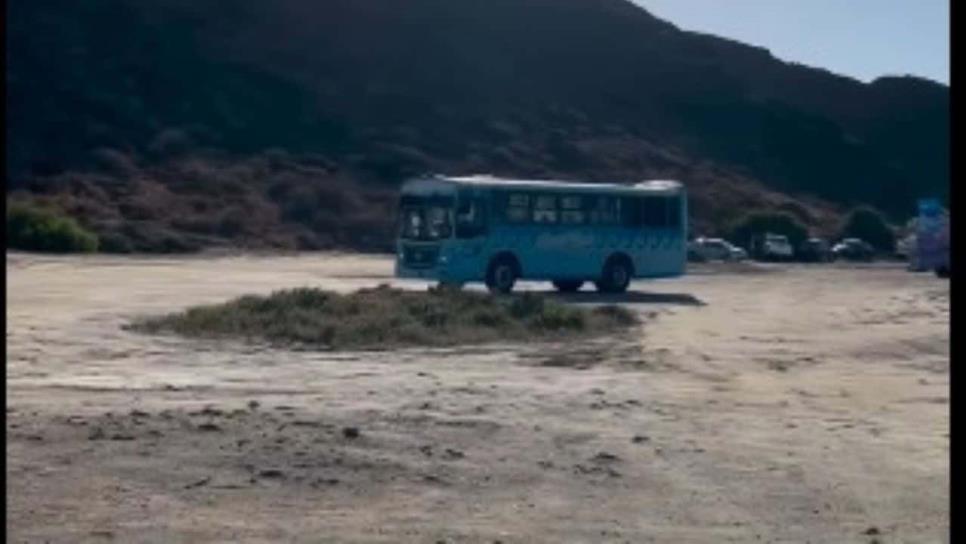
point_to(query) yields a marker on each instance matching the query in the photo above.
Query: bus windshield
(425, 222)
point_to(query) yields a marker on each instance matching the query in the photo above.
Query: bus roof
(666, 187)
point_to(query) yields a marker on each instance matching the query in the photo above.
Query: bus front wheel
(501, 276)
(568, 286)
(616, 276)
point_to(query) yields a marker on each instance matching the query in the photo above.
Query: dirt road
(802, 404)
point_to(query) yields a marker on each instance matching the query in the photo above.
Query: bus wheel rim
(503, 276)
(619, 276)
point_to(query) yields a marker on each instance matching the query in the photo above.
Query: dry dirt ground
(798, 404)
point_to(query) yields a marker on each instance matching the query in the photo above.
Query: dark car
(815, 250)
(853, 249)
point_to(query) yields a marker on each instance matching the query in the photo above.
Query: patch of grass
(385, 317)
(33, 228)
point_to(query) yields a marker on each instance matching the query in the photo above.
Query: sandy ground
(800, 404)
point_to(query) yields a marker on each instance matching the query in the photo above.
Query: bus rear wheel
(616, 276)
(501, 276)
(568, 286)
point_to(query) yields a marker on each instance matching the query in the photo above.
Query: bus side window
(655, 211)
(604, 210)
(517, 208)
(592, 207)
(673, 213)
(545, 209)
(610, 210)
(470, 218)
(571, 210)
(632, 208)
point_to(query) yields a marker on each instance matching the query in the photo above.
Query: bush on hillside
(31, 228)
(757, 223)
(868, 224)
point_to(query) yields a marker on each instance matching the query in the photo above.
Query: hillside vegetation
(172, 125)
(36, 229)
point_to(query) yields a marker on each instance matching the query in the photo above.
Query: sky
(863, 39)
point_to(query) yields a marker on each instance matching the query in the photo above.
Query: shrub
(390, 162)
(233, 221)
(800, 212)
(115, 162)
(490, 318)
(151, 237)
(757, 223)
(114, 242)
(385, 317)
(618, 314)
(299, 206)
(170, 142)
(868, 224)
(527, 305)
(32, 228)
(558, 316)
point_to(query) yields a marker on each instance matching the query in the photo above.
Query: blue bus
(457, 230)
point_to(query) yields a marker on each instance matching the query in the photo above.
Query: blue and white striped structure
(454, 230)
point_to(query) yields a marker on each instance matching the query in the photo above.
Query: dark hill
(177, 123)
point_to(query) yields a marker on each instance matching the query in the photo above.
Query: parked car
(772, 247)
(695, 255)
(815, 250)
(932, 244)
(716, 249)
(935, 254)
(738, 253)
(853, 249)
(906, 250)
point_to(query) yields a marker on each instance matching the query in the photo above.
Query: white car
(716, 249)
(775, 247)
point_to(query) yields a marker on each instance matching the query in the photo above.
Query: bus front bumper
(439, 272)
(407, 273)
